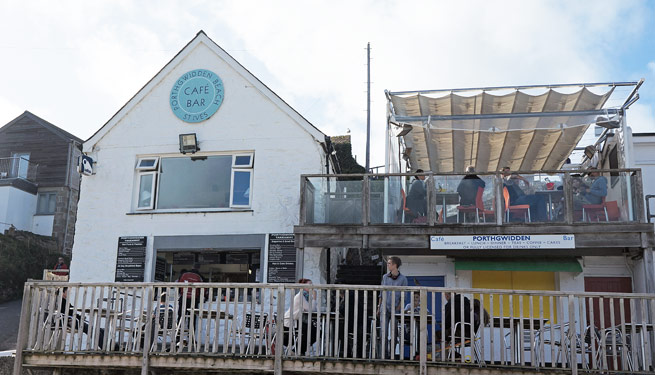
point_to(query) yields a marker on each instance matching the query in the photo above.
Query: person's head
(505, 171)
(593, 172)
(393, 263)
(162, 297)
(60, 260)
(470, 169)
(447, 295)
(420, 177)
(417, 299)
(305, 281)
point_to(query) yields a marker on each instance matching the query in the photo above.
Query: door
(432, 281)
(611, 285)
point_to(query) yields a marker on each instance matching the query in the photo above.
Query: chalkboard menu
(281, 258)
(131, 259)
(160, 269)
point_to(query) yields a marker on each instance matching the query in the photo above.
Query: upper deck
(394, 211)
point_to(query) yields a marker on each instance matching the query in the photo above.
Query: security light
(189, 143)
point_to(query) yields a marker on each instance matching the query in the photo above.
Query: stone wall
(63, 227)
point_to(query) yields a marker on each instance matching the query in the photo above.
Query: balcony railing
(17, 167)
(558, 197)
(432, 326)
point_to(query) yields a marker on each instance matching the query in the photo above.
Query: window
(145, 164)
(197, 182)
(46, 203)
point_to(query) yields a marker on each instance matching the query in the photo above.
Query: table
(515, 322)
(553, 195)
(204, 315)
(447, 198)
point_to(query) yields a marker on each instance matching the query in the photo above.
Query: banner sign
(503, 241)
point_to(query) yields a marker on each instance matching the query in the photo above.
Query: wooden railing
(553, 196)
(476, 327)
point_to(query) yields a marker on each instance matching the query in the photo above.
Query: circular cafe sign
(196, 95)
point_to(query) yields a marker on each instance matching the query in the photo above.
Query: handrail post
(23, 330)
(366, 201)
(574, 355)
(279, 330)
(431, 195)
(568, 197)
(423, 336)
(148, 297)
(500, 209)
(639, 192)
(301, 217)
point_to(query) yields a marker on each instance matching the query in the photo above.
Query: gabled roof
(201, 37)
(54, 129)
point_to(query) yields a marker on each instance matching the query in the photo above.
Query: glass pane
(466, 199)
(200, 182)
(333, 200)
(145, 190)
(242, 160)
(42, 204)
(52, 203)
(525, 197)
(599, 197)
(241, 196)
(386, 199)
(147, 163)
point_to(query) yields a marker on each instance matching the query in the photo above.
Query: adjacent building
(39, 180)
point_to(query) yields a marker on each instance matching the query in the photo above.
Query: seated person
(301, 305)
(417, 306)
(593, 194)
(537, 203)
(165, 309)
(416, 201)
(468, 187)
(75, 320)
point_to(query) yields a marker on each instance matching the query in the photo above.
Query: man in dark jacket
(468, 187)
(416, 202)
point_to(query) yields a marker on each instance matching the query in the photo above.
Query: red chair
(516, 209)
(472, 209)
(596, 211)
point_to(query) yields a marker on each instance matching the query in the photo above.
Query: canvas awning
(447, 130)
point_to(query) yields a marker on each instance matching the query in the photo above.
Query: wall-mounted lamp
(189, 143)
(589, 151)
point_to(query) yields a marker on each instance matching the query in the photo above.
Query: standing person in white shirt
(303, 302)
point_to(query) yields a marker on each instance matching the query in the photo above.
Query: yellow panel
(517, 280)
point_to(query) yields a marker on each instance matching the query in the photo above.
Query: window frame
(234, 160)
(154, 167)
(156, 170)
(153, 186)
(241, 170)
(49, 193)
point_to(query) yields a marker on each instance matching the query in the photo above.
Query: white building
(217, 206)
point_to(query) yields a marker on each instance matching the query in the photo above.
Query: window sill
(190, 212)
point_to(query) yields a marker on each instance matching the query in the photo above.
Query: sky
(76, 63)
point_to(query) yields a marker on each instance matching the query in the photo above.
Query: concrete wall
(246, 121)
(17, 208)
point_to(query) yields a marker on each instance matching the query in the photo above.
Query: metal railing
(558, 196)
(411, 325)
(18, 167)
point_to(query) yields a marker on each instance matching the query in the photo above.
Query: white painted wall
(17, 208)
(42, 224)
(247, 120)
